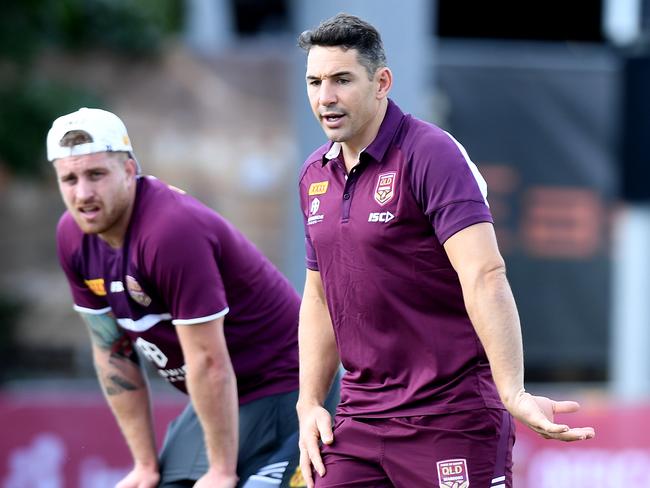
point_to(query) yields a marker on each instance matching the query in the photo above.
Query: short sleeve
(310, 253)
(183, 265)
(89, 295)
(449, 186)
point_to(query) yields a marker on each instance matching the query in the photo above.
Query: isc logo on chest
(380, 217)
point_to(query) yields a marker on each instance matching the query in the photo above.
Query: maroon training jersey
(183, 264)
(376, 236)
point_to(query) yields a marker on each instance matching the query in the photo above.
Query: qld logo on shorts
(452, 473)
(385, 189)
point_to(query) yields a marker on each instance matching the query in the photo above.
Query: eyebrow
(338, 74)
(82, 172)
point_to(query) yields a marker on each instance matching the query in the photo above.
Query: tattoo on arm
(115, 384)
(107, 336)
(104, 331)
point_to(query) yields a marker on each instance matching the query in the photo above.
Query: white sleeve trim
(143, 323)
(480, 181)
(91, 311)
(200, 320)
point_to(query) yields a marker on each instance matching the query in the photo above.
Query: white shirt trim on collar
(334, 151)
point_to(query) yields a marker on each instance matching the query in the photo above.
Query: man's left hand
(538, 413)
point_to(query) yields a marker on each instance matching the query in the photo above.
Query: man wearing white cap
(153, 271)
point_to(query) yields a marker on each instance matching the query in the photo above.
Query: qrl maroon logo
(136, 291)
(385, 189)
(452, 473)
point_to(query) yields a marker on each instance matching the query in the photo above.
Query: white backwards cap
(107, 131)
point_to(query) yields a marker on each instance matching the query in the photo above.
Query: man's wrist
(146, 463)
(223, 473)
(511, 396)
(306, 404)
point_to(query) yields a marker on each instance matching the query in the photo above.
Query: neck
(114, 236)
(352, 149)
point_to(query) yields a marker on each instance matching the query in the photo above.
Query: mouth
(332, 119)
(89, 212)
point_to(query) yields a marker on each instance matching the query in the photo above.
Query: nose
(327, 94)
(84, 190)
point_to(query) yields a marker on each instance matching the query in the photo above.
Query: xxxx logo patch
(318, 188)
(385, 188)
(96, 286)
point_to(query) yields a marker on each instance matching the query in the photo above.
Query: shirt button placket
(347, 194)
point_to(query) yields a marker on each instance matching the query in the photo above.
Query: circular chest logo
(136, 292)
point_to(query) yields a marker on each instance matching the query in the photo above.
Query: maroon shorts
(460, 450)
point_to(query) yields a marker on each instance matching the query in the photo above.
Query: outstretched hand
(538, 413)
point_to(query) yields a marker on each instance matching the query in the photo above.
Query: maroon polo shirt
(183, 264)
(376, 236)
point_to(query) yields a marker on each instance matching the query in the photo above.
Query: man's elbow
(204, 364)
(494, 270)
(482, 274)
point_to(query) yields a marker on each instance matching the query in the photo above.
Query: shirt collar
(378, 147)
(334, 151)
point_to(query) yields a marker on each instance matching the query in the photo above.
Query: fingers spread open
(575, 434)
(565, 407)
(324, 424)
(305, 468)
(551, 428)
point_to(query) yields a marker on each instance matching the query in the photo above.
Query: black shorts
(268, 443)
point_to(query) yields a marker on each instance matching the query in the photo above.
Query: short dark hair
(349, 32)
(75, 137)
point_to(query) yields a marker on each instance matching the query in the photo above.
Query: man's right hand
(213, 480)
(140, 477)
(315, 427)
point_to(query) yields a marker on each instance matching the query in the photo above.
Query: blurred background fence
(551, 100)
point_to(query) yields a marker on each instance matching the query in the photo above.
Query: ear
(131, 167)
(384, 79)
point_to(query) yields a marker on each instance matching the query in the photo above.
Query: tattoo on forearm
(121, 371)
(106, 334)
(104, 331)
(115, 384)
(119, 378)
(123, 349)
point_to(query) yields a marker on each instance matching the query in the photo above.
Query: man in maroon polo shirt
(406, 287)
(155, 272)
